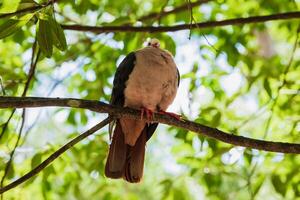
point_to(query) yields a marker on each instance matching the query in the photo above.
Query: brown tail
(124, 160)
(117, 154)
(134, 166)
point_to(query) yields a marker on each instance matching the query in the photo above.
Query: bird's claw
(149, 113)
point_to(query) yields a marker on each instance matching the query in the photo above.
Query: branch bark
(208, 24)
(55, 155)
(100, 107)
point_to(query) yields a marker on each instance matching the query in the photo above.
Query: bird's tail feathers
(125, 161)
(117, 154)
(134, 166)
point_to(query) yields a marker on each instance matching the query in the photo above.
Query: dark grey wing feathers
(150, 130)
(121, 76)
(123, 71)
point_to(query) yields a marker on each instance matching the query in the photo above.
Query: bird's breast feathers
(153, 81)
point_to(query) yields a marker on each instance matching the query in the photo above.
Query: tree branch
(100, 107)
(55, 155)
(26, 10)
(208, 24)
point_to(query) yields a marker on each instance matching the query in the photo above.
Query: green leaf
(44, 15)
(216, 119)
(27, 4)
(50, 33)
(48, 171)
(169, 44)
(257, 185)
(83, 117)
(11, 171)
(59, 39)
(44, 37)
(36, 160)
(12, 25)
(248, 157)
(296, 189)
(9, 6)
(178, 194)
(167, 185)
(279, 185)
(191, 75)
(267, 87)
(71, 118)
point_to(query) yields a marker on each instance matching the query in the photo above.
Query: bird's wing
(123, 71)
(121, 76)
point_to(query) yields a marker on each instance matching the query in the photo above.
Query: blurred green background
(241, 79)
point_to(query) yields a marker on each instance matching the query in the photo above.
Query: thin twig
(283, 82)
(201, 25)
(5, 125)
(159, 15)
(101, 107)
(29, 78)
(178, 9)
(55, 155)
(191, 17)
(31, 72)
(254, 115)
(192, 20)
(12, 153)
(33, 64)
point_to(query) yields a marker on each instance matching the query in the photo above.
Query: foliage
(241, 79)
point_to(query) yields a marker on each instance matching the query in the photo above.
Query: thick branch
(209, 24)
(100, 107)
(55, 155)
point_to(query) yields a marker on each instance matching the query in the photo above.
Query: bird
(146, 79)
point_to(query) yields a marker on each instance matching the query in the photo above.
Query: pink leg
(148, 112)
(174, 115)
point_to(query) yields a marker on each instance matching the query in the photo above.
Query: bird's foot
(174, 115)
(149, 113)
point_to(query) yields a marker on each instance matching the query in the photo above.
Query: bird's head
(153, 43)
